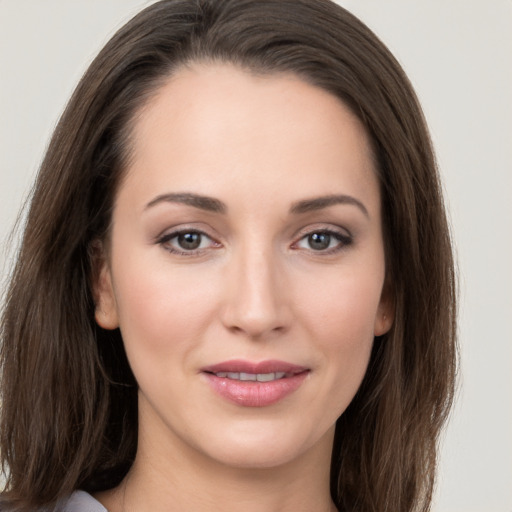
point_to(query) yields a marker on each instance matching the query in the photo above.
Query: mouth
(253, 377)
(250, 384)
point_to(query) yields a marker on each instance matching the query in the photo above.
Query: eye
(324, 241)
(186, 241)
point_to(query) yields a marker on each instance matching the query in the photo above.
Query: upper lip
(241, 366)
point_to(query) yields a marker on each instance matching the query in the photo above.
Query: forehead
(214, 125)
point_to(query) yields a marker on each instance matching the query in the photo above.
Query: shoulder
(81, 501)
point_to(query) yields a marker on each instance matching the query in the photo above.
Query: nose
(256, 302)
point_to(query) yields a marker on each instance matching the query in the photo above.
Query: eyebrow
(318, 203)
(209, 204)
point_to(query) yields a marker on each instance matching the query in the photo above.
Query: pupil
(319, 241)
(189, 240)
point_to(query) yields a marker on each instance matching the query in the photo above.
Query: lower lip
(253, 393)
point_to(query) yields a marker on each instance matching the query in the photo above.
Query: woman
(235, 286)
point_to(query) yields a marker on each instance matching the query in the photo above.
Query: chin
(256, 457)
(264, 447)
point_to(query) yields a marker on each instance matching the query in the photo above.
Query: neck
(178, 478)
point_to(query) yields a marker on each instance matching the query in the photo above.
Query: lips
(251, 384)
(254, 377)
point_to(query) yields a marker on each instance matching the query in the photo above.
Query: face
(245, 266)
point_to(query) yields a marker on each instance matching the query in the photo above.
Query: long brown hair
(69, 399)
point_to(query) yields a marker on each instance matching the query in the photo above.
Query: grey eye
(183, 242)
(324, 241)
(189, 241)
(319, 241)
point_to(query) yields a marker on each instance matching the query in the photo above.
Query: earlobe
(383, 324)
(105, 311)
(385, 312)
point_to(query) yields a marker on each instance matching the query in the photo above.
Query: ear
(386, 311)
(103, 291)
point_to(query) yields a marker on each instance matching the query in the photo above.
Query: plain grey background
(458, 54)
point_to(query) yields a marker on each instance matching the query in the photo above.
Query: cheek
(161, 310)
(343, 307)
(340, 318)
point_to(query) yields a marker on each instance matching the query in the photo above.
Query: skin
(256, 288)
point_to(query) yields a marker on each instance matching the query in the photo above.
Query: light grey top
(81, 501)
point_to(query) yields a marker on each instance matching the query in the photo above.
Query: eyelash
(165, 240)
(342, 239)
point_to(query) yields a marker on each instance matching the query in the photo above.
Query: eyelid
(342, 234)
(324, 228)
(185, 227)
(168, 235)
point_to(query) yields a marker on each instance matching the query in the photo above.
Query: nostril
(255, 300)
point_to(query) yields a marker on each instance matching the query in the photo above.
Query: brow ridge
(209, 204)
(318, 203)
(216, 206)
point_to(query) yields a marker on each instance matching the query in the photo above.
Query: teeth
(265, 377)
(259, 377)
